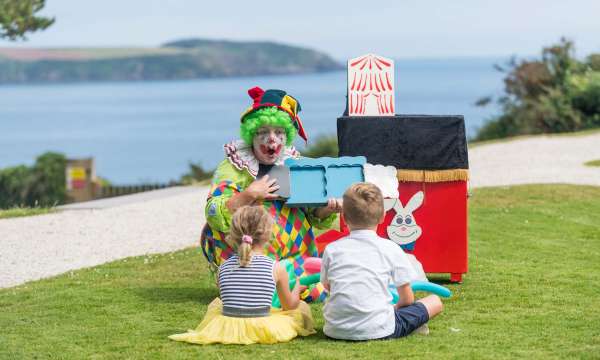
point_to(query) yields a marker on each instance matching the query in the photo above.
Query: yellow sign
(77, 173)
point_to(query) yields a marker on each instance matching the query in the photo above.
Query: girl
(247, 281)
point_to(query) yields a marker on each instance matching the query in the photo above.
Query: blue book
(313, 181)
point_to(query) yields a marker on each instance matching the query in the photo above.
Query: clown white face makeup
(268, 144)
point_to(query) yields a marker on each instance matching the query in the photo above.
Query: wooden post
(81, 179)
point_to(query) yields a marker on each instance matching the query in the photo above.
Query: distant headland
(176, 60)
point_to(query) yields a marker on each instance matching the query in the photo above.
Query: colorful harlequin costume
(293, 236)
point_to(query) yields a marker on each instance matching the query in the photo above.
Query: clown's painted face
(268, 144)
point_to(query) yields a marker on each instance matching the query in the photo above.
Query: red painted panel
(442, 247)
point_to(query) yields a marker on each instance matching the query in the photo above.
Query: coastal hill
(183, 59)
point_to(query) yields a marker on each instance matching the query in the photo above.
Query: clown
(267, 129)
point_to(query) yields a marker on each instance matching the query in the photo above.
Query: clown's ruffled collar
(242, 157)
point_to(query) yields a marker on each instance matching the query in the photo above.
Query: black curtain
(424, 142)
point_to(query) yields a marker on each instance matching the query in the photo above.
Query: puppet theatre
(429, 154)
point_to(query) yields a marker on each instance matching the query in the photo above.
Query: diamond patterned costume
(293, 236)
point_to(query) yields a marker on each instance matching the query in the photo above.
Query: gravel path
(93, 233)
(40, 246)
(539, 159)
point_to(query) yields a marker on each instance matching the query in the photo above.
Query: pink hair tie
(247, 239)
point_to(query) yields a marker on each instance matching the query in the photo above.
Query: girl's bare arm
(289, 299)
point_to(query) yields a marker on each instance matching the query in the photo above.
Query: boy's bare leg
(433, 304)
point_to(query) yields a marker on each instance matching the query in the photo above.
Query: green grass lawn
(23, 211)
(532, 291)
(593, 163)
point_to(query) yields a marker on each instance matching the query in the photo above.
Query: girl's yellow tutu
(280, 326)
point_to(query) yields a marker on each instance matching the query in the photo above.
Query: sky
(343, 29)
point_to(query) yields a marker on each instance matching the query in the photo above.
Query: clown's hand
(333, 206)
(263, 188)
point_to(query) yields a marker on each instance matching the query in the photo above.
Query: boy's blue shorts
(408, 319)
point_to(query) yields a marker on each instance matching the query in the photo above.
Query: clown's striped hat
(281, 100)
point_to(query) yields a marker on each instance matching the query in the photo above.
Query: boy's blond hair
(363, 205)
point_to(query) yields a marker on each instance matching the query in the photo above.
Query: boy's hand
(333, 206)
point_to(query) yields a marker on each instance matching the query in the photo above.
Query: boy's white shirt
(358, 269)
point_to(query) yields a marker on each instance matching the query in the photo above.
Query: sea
(149, 132)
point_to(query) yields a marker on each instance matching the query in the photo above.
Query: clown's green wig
(270, 116)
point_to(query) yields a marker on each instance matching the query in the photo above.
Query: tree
(43, 184)
(555, 93)
(17, 17)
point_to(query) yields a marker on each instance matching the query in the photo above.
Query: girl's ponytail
(250, 226)
(244, 250)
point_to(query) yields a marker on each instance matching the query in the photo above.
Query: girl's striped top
(250, 287)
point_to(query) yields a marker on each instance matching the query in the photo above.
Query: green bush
(49, 180)
(14, 184)
(43, 184)
(501, 127)
(594, 62)
(196, 174)
(586, 97)
(556, 93)
(325, 145)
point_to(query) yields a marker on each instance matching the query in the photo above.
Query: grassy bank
(531, 292)
(573, 134)
(595, 163)
(23, 211)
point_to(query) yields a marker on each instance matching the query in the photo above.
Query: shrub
(556, 93)
(325, 145)
(586, 97)
(195, 174)
(43, 184)
(14, 186)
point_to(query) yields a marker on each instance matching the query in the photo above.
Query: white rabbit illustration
(403, 230)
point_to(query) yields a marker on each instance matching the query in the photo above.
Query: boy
(357, 270)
